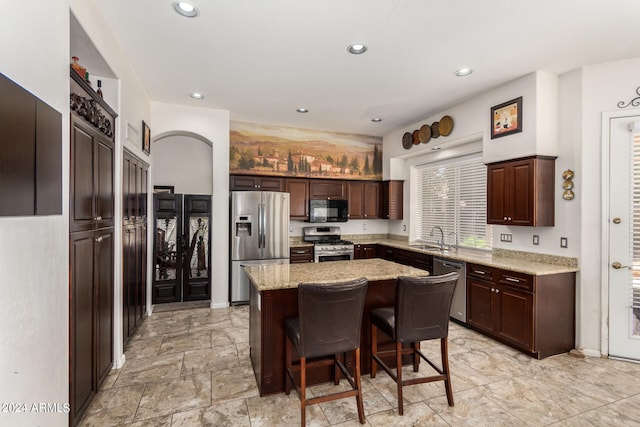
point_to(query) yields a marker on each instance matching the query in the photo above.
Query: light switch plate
(564, 242)
(536, 239)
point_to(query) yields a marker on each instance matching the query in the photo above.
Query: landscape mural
(258, 149)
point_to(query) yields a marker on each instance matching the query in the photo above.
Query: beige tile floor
(192, 368)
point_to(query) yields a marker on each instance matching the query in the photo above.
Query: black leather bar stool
(328, 324)
(421, 313)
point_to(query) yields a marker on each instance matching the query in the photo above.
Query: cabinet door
(515, 320)
(521, 193)
(243, 183)
(271, 184)
(422, 261)
(327, 189)
(402, 257)
(496, 194)
(392, 200)
(82, 177)
(104, 191)
(355, 195)
(369, 251)
(371, 200)
(480, 304)
(126, 186)
(298, 190)
(104, 303)
(144, 191)
(385, 252)
(81, 307)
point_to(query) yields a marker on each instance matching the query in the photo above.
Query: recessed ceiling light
(461, 72)
(302, 110)
(185, 9)
(376, 120)
(357, 49)
(196, 95)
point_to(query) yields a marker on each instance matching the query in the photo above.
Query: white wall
(213, 126)
(184, 162)
(34, 310)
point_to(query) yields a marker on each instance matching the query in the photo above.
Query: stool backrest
(330, 316)
(423, 305)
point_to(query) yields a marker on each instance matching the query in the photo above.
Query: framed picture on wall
(506, 118)
(146, 138)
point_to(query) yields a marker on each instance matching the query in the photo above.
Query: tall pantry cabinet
(91, 244)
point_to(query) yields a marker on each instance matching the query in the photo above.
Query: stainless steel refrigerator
(259, 235)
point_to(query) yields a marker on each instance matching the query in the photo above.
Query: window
(452, 194)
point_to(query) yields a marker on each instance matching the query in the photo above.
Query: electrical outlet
(364, 227)
(291, 229)
(564, 242)
(536, 239)
(404, 227)
(505, 237)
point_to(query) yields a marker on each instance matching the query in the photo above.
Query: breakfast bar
(274, 297)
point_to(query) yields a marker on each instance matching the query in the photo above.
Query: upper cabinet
(364, 199)
(327, 189)
(298, 189)
(30, 154)
(521, 191)
(391, 199)
(255, 183)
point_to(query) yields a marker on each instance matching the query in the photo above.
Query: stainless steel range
(327, 244)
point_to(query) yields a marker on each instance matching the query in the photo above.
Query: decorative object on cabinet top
(635, 102)
(506, 118)
(427, 132)
(146, 138)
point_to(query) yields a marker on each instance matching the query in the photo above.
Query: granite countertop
(283, 276)
(522, 262)
(518, 261)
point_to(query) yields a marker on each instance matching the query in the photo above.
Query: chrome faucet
(456, 238)
(441, 241)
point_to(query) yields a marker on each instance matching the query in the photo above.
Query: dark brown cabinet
(364, 199)
(391, 200)
(521, 192)
(134, 243)
(298, 190)
(327, 189)
(91, 245)
(364, 251)
(534, 314)
(255, 183)
(30, 153)
(300, 254)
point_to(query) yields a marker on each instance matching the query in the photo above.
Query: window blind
(453, 195)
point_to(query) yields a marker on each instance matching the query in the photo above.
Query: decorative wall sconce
(567, 184)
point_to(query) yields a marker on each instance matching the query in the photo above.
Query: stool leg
(336, 369)
(399, 379)
(287, 355)
(303, 390)
(416, 357)
(444, 349)
(374, 350)
(359, 386)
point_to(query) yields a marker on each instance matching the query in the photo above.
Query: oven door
(333, 256)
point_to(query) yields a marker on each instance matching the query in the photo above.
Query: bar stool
(421, 313)
(328, 323)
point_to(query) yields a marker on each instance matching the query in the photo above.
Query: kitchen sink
(435, 248)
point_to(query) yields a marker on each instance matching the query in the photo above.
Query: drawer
(480, 271)
(517, 280)
(300, 254)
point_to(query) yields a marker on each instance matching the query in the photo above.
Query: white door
(624, 237)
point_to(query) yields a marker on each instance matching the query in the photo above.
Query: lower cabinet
(134, 278)
(91, 316)
(300, 254)
(406, 257)
(534, 314)
(364, 251)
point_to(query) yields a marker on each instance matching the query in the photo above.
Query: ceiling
(262, 59)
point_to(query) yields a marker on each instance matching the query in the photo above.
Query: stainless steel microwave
(322, 210)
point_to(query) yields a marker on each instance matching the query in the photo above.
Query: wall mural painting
(283, 151)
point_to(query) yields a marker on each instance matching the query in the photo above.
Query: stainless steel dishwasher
(459, 303)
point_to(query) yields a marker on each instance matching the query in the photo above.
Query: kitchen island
(274, 297)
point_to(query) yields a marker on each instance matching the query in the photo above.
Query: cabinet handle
(509, 218)
(98, 218)
(504, 218)
(511, 279)
(479, 272)
(299, 252)
(497, 291)
(99, 239)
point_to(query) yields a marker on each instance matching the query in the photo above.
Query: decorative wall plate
(416, 137)
(424, 134)
(435, 129)
(446, 125)
(407, 140)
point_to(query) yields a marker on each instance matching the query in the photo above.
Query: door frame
(607, 116)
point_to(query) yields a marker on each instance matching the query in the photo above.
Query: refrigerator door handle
(260, 231)
(264, 225)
